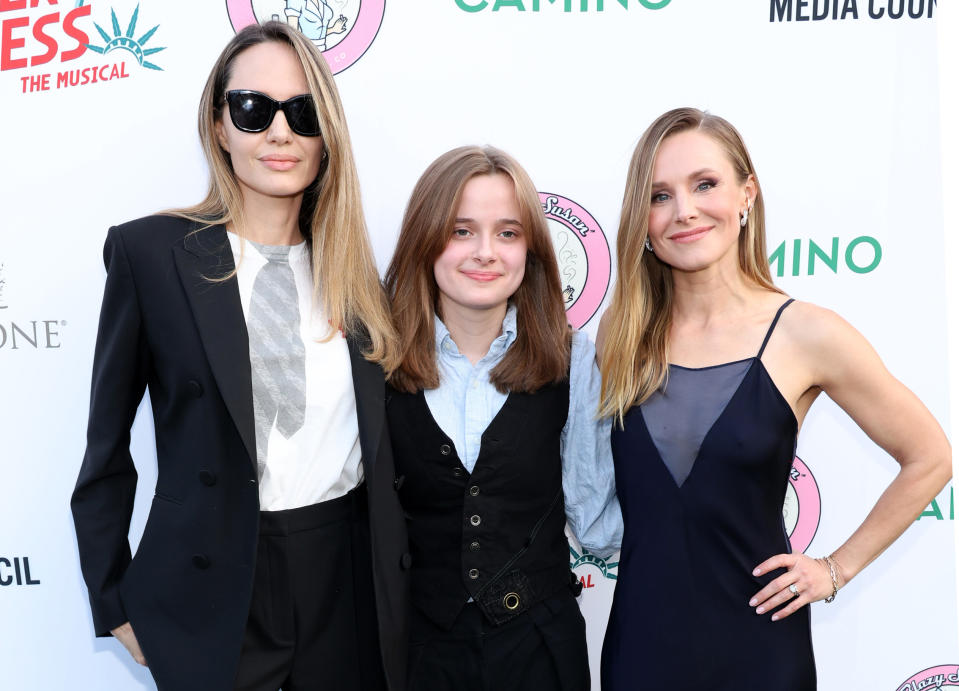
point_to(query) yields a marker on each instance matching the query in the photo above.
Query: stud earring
(745, 217)
(649, 245)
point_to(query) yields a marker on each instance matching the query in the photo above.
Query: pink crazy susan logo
(582, 253)
(941, 677)
(801, 509)
(341, 29)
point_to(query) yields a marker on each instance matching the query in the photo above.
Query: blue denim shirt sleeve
(589, 484)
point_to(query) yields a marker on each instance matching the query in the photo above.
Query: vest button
(474, 574)
(457, 472)
(475, 520)
(474, 546)
(474, 490)
(207, 477)
(196, 390)
(406, 561)
(201, 561)
(445, 449)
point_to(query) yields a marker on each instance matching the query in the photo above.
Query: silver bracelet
(831, 565)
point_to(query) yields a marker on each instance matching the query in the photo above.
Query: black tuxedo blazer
(164, 325)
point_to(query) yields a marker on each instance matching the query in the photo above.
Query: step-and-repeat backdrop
(837, 99)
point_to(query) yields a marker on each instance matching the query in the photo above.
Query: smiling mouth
(483, 276)
(691, 235)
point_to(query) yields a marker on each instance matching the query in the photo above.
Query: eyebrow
(692, 176)
(499, 221)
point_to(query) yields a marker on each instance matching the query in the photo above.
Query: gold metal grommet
(511, 601)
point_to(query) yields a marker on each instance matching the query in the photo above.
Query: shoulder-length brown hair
(345, 276)
(635, 357)
(540, 353)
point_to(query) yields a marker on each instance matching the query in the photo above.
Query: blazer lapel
(369, 387)
(218, 314)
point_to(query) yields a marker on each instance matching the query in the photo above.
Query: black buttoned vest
(464, 528)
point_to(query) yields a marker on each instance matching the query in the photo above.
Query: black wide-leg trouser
(312, 622)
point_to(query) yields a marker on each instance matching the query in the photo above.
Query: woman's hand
(124, 634)
(806, 580)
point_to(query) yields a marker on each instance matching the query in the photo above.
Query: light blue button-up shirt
(466, 402)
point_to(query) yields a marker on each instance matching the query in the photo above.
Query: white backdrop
(842, 118)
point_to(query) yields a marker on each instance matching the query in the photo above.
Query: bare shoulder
(820, 335)
(815, 327)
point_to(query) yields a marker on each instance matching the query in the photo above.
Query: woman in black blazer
(275, 547)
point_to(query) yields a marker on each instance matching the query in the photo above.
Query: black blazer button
(207, 477)
(406, 561)
(457, 472)
(398, 482)
(473, 574)
(474, 490)
(196, 390)
(474, 546)
(201, 561)
(445, 449)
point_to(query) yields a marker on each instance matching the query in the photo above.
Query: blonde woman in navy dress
(709, 371)
(494, 429)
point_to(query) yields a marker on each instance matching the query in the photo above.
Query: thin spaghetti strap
(773, 326)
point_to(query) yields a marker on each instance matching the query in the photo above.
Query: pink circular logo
(341, 29)
(941, 677)
(582, 253)
(802, 507)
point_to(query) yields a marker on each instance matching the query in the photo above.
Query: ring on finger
(794, 590)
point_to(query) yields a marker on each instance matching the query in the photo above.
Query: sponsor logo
(586, 564)
(941, 677)
(33, 334)
(566, 5)
(16, 571)
(32, 35)
(802, 507)
(935, 509)
(582, 253)
(343, 30)
(819, 10)
(860, 255)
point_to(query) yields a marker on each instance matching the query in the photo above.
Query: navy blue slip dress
(701, 472)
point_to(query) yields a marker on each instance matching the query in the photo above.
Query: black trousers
(543, 649)
(312, 621)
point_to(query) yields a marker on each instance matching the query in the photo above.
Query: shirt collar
(445, 343)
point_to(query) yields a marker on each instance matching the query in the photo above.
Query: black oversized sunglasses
(252, 111)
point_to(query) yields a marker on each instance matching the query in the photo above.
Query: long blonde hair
(635, 356)
(345, 276)
(540, 353)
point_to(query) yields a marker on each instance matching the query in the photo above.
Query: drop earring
(745, 217)
(649, 245)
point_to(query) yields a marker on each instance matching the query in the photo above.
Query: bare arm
(843, 364)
